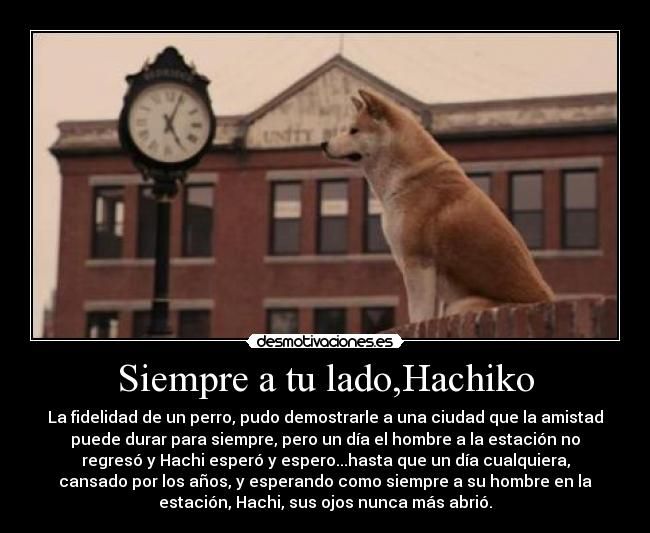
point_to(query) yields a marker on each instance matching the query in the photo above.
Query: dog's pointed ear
(357, 103)
(376, 108)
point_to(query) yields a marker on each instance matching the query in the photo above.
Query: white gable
(313, 114)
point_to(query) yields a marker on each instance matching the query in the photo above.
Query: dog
(455, 248)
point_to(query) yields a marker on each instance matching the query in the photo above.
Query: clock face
(169, 122)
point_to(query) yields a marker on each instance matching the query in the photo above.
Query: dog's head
(372, 130)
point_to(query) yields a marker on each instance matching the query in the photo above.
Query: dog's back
(475, 248)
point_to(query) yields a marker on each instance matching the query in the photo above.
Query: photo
(219, 185)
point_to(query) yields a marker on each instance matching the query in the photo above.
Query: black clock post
(164, 189)
(181, 83)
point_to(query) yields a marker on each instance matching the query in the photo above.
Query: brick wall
(240, 278)
(578, 318)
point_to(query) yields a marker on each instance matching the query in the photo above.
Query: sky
(81, 77)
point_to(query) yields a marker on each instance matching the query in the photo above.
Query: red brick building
(267, 234)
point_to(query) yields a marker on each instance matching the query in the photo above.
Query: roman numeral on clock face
(196, 125)
(192, 138)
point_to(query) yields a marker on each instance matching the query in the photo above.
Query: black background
(61, 375)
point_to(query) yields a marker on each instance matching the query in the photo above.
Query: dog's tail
(470, 303)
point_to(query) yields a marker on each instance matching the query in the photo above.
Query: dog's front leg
(420, 282)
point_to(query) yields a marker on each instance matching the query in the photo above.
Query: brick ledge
(575, 318)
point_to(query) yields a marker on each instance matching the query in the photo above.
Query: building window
(141, 323)
(376, 319)
(374, 239)
(329, 320)
(333, 217)
(285, 224)
(197, 221)
(282, 320)
(101, 325)
(580, 209)
(194, 324)
(146, 222)
(483, 181)
(108, 222)
(526, 207)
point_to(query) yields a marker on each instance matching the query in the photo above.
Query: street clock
(166, 125)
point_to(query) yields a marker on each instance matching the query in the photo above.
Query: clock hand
(169, 127)
(178, 141)
(168, 123)
(170, 119)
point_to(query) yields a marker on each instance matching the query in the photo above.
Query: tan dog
(456, 249)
